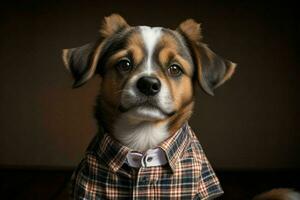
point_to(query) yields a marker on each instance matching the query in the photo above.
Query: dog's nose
(148, 85)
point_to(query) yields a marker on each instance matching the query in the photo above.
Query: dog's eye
(124, 65)
(175, 70)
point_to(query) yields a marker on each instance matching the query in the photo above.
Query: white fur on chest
(142, 136)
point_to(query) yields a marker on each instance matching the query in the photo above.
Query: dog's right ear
(82, 61)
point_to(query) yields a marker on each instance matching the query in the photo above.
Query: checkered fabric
(104, 173)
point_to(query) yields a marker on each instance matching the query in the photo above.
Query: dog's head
(148, 73)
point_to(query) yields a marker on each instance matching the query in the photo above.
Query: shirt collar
(151, 158)
(111, 151)
(115, 154)
(175, 145)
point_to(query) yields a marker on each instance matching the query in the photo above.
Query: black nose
(148, 85)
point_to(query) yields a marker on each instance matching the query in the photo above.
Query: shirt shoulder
(84, 180)
(209, 186)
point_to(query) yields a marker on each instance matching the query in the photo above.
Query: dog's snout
(148, 85)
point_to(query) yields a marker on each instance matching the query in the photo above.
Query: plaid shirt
(105, 174)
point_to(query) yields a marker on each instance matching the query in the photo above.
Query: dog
(145, 147)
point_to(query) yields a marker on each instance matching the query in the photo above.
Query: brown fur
(112, 24)
(192, 29)
(182, 91)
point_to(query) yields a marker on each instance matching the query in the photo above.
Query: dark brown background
(251, 123)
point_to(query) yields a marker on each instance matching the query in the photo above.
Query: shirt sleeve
(77, 190)
(209, 185)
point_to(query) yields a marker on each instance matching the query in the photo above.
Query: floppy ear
(211, 70)
(82, 61)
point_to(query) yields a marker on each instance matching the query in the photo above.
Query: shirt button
(149, 159)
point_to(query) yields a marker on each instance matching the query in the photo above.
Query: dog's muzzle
(146, 96)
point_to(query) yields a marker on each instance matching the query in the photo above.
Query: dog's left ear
(82, 61)
(212, 70)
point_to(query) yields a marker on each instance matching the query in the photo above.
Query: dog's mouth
(146, 108)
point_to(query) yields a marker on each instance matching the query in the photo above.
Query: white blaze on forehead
(150, 36)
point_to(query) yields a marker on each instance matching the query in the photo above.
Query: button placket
(136, 184)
